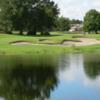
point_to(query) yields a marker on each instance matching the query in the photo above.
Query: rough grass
(55, 38)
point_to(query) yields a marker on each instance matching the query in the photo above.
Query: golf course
(57, 42)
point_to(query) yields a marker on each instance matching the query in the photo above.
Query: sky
(76, 9)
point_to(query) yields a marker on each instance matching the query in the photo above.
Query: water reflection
(92, 66)
(26, 81)
(73, 67)
(72, 77)
(76, 81)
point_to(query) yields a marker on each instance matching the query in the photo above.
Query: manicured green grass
(55, 38)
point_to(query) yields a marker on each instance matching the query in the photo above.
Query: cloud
(77, 8)
(96, 4)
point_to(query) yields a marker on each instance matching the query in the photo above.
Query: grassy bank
(55, 38)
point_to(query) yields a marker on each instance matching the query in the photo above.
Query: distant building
(76, 28)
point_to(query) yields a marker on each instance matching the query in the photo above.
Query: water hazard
(65, 77)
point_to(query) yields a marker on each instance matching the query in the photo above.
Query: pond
(64, 77)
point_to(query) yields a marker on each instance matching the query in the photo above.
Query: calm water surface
(65, 77)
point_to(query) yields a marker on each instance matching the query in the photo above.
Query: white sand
(83, 42)
(22, 43)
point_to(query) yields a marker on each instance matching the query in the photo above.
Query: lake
(63, 77)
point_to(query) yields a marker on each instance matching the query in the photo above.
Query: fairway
(45, 44)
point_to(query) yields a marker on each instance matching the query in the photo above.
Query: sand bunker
(82, 42)
(78, 42)
(21, 43)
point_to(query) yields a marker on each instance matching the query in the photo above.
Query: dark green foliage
(92, 69)
(75, 21)
(29, 15)
(92, 21)
(62, 24)
(5, 15)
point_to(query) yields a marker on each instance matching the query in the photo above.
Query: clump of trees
(76, 21)
(28, 15)
(92, 21)
(62, 24)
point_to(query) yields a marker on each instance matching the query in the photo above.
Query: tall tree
(98, 22)
(91, 21)
(45, 14)
(30, 15)
(6, 12)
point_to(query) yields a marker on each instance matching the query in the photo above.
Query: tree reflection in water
(92, 69)
(92, 66)
(28, 81)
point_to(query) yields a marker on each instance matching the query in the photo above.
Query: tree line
(28, 15)
(91, 22)
(64, 24)
(32, 16)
